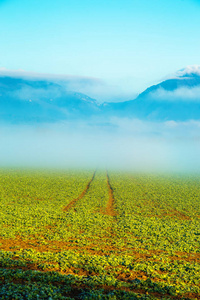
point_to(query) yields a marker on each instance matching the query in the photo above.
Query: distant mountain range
(36, 101)
(177, 98)
(30, 101)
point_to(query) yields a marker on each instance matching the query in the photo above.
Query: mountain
(27, 101)
(35, 101)
(177, 98)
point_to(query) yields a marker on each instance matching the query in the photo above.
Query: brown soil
(73, 202)
(110, 208)
(170, 213)
(180, 215)
(91, 249)
(190, 257)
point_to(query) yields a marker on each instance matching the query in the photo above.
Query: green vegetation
(86, 235)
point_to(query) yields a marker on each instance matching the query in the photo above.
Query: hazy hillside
(177, 98)
(26, 101)
(41, 101)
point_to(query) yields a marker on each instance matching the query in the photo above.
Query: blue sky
(129, 42)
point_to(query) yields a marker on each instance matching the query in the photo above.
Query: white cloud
(20, 73)
(101, 90)
(123, 144)
(166, 129)
(185, 72)
(189, 70)
(183, 93)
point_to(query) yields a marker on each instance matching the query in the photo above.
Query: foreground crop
(86, 235)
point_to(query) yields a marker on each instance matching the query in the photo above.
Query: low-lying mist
(120, 144)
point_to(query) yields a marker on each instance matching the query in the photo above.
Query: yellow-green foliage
(148, 249)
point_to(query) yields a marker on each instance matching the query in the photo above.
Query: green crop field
(99, 235)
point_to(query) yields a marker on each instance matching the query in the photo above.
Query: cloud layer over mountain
(180, 94)
(188, 71)
(101, 90)
(43, 124)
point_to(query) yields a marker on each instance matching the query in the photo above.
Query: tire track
(73, 202)
(110, 208)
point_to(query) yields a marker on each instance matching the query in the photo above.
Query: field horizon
(99, 234)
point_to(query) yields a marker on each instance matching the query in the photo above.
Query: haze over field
(100, 84)
(73, 130)
(30, 148)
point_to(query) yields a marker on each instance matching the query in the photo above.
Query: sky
(128, 44)
(110, 50)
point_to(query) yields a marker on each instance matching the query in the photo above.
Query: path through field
(73, 202)
(99, 235)
(110, 208)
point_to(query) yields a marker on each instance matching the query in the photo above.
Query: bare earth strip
(73, 202)
(110, 208)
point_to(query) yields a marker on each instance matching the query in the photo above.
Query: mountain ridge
(165, 101)
(35, 101)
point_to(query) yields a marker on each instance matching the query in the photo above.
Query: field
(99, 235)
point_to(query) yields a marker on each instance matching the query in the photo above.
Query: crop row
(147, 249)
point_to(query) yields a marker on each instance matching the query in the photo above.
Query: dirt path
(73, 202)
(110, 208)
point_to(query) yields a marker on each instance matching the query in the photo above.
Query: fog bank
(119, 144)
